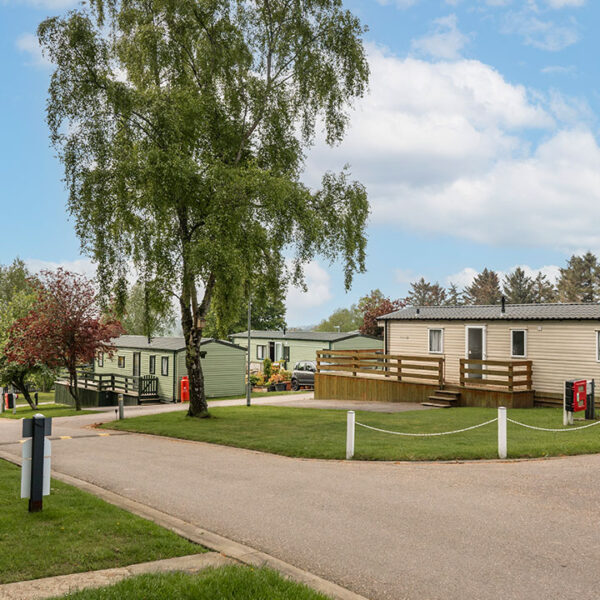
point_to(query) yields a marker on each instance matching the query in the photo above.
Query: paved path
(479, 530)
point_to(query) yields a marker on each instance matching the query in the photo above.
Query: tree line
(578, 281)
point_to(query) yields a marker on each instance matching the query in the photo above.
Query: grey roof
(516, 312)
(162, 343)
(310, 336)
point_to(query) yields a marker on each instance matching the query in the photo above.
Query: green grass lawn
(260, 395)
(314, 433)
(42, 397)
(74, 532)
(48, 410)
(226, 583)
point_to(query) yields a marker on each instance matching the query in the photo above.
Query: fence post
(354, 363)
(511, 377)
(350, 425)
(502, 447)
(399, 369)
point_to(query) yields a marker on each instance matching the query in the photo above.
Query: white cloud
(300, 305)
(406, 276)
(29, 44)
(445, 149)
(401, 4)
(445, 41)
(463, 278)
(565, 3)
(83, 266)
(540, 33)
(559, 70)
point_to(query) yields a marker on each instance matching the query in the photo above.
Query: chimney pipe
(418, 311)
(503, 304)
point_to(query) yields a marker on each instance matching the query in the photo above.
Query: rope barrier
(427, 434)
(552, 430)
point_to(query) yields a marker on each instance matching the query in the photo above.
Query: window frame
(597, 345)
(429, 331)
(164, 361)
(121, 362)
(264, 351)
(512, 344)
(100, 359)
(152, 364)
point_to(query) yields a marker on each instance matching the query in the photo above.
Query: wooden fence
(145, 386)
(423, 369)
(507, 374)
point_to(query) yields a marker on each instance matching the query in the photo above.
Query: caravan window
(260, 352)
(518, 343)
(436, 341)
(164, 368)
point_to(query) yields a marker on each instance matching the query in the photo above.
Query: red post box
(185, 389)
(576, 396)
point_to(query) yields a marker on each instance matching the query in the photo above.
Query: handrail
(143, 386)
(368, 362)
(509, 374)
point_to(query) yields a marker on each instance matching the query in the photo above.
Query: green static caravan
(223, 364)
(294, 346)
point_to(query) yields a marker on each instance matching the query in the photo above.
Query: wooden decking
(143, 388)
(372, 375)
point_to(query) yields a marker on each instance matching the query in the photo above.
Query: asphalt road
(480, 530)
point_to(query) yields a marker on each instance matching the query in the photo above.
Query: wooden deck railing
(508, 374)
(423, 369)
(145, 386)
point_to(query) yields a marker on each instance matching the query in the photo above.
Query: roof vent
(503, 301)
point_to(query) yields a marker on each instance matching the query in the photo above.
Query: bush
(267, 368)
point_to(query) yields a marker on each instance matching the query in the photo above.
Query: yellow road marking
(66, 437)
(22, 441)
(104, 434)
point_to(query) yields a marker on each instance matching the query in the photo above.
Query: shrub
(267, 368)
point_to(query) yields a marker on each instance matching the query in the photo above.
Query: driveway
(479, 530)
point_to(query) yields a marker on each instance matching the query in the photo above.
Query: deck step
(443, 399)
(454, 394)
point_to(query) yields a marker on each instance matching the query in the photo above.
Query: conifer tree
(423, 293)
(485, 289)
(454, 297)
(518, 287)
(542, 290)
(578, 281)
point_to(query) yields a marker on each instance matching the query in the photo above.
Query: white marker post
(502, 446)
(350, 426)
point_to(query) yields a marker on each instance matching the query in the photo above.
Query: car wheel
(295, 385)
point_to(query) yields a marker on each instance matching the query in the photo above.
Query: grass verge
(313, 433)
(75, 532)
(261, 395)
(226, 583)
(48, 410)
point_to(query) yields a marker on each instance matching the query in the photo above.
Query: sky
(478, 143)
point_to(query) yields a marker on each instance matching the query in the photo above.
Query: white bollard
(350, 434)
(502, 447)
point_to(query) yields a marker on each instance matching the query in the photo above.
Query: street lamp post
(249, 385)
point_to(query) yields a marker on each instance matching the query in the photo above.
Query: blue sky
(478, 144)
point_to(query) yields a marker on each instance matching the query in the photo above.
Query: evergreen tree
(485, 289)
(454, 297)
(423, 293)
(578, 281)
(518, 287)
(542, 290)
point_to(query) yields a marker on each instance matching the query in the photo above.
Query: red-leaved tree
(65, 328)
(373, 306)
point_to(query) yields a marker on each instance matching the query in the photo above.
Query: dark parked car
(304, 374)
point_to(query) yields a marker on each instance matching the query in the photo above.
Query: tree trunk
(73, 388)
(22, 387)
